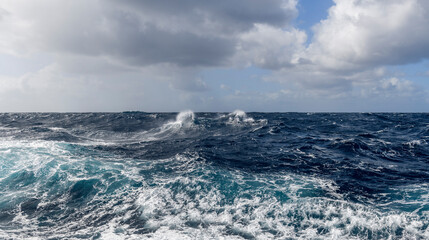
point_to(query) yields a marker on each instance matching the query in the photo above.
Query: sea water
(136, 175)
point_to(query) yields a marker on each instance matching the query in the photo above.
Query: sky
(214, 56)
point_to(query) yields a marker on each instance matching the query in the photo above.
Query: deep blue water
(137, 175)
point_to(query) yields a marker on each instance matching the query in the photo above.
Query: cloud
(140, 33)
(214, 17)
(270, 47)
(394, 87)
(2, 13)
(351, 48)
(148, 49)
(147, 41)
(359, 34)
(51, 89)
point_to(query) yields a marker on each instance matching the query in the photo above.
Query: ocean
(136, 175)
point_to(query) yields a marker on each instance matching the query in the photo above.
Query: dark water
(214, 176)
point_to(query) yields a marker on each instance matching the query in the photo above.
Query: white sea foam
(252, 215)
(414, 143)
(57, 129)
(267, 218)
(184, 121)
(185, 117)
(197, 201)
(239, 117)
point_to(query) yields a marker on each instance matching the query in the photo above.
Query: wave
(207, 175)
(238, 117)
(184, 120)
(186, 124)
(181, 197)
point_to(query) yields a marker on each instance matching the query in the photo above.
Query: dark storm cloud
(240, 14)
(150, 46)
(190, 32)
(140, 33)
(156, 46)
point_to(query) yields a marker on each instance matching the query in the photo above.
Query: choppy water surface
(214, 176)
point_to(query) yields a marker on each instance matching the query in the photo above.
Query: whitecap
(185, 120)
(414, 143)
(239, 117)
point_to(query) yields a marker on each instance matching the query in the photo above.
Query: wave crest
(238, 117)
(185, 118)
